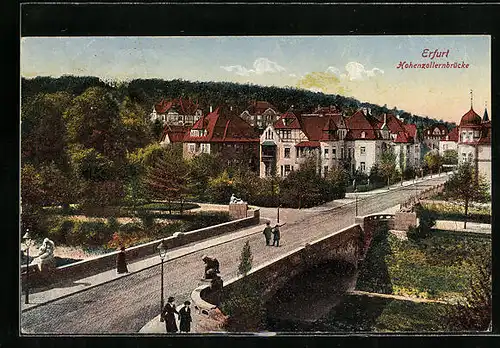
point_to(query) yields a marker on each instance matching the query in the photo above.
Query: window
(325, 170)
(191, 147)
(287, 169)
(363, 135)
(281, 170)
(464, 157)
(197, 147)
(287, 152)
(341, 152)
(334, 153)
(470, 136)
(470, 156)
(362, 150)
(464, 136)
(326, 153)
(363, 166)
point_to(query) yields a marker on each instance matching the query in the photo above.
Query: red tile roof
(222, 126)
(452, 135)
(163, 106)
(259, 107)
(175, 133)
(357, 124)
(470, 118)
(402, 137)
(308, 144)
(290, 118)
(411, 129)
(183, 106)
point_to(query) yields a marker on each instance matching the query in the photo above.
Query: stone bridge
(348, 245)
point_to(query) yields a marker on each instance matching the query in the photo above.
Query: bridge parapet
(344, 245)
(85, 268)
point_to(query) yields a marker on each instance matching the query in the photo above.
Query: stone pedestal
(238, 210)
(402, 221)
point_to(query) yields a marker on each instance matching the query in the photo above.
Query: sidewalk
(40, 298)
(395, 186)
(458, 226)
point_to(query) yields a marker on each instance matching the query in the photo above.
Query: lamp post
(27, 242)
(356, 196)
(162, 250)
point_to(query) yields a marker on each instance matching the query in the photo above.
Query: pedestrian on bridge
(185, 317)
(277, 234)
(267, 233)
(121, 261)
(168, 314)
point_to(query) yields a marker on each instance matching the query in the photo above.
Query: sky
(363, 67)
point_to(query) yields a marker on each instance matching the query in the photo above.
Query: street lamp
(28, 243)
(356, 196)
(162, 250)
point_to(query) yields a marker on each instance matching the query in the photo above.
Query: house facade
(260, 114)
(474, 142)
(355, 143)
(223, 133)
(449, 141)
(177, 112)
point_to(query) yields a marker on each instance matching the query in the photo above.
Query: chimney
(364, 111)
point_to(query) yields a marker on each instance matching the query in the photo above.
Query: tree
(387, 164)
(450, 157)
(465, 186)
(43, 129)
(32, 197)
(93, 121)
(302, 187)
(58, 186)
(167, 177)
(246, 260)
(473, 313)
(135, 129)
(202, 168)
(433, 161)
(245, 306)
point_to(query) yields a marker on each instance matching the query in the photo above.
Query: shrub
(90, 233)
(58, 233)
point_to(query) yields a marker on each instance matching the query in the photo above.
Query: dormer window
(363, 135)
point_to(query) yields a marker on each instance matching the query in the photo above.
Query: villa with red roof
(177, 112)
(354, 142)
(225, 133)
(260, 114)
(474, 141)
(449, 141)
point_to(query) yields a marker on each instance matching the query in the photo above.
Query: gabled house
(449, 141)
(225, 133)
(178, 112)
(260, 114)
(173, 134)
(474, 141)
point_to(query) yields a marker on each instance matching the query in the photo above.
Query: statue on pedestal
(45, 259)
(235, 200)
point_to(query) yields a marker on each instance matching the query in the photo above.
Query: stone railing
(88, 267)
(372, 223)
(342, 245)
(414, 199)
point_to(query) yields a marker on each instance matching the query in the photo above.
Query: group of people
(168, 316)
(274, 232)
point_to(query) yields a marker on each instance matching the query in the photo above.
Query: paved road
(125, 305)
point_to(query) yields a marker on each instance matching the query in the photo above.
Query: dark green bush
(90, 233)
(59, 231)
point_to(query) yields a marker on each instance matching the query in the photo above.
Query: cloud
(260, 66)
(354, 71)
